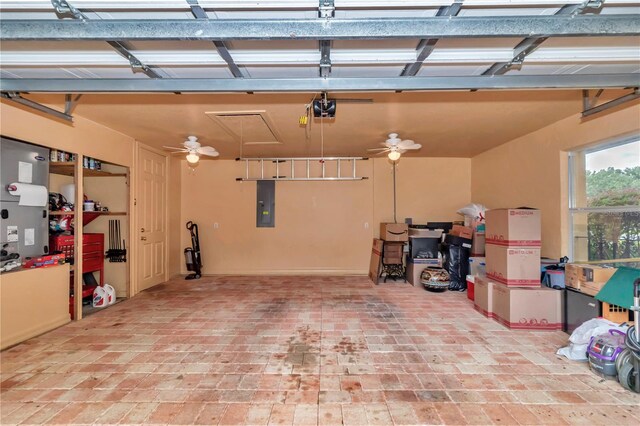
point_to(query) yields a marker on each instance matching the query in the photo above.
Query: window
(604, 203)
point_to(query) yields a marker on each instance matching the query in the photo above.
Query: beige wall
(532, 170)
(82, 137)
(428, 189)
(321, 227)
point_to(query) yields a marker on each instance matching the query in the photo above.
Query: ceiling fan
(396, 146)
(194, 150)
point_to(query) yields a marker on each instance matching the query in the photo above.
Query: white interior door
(151, 213)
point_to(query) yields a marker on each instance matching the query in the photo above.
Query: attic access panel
(247, 127)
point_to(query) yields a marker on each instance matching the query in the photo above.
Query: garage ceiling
(180, 46)
(447, 124)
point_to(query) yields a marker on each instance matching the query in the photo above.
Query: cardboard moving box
(478, 244)
(573, 275)
(513, 266)
(591, 288)
(598, 274)
(527, 308)
(413, 272)
(483, 296)
(513, 227)
(376, 259)
(462, 231)
(394, 232)
(592, 276)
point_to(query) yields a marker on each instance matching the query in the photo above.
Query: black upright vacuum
(192, 254)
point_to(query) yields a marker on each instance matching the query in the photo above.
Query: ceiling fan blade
(208, 150)
(405, 143)
(414, 146)
(178, 152)
(174, 147)
(378, 149)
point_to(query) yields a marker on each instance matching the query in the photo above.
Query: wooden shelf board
(72, 213)
(68, 169)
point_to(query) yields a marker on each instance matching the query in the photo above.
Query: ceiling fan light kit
(395, 147)
(193, 158)
(194, 150)
(394, 155)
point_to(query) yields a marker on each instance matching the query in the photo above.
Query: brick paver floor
(301, 350)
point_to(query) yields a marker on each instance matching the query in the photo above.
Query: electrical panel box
(266, 203)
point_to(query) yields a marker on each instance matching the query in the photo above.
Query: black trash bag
(456, 262)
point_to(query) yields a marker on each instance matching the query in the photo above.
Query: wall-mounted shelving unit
(68, 169)
(72, 213)
(92, 257)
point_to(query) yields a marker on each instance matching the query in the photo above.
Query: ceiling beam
(321, 29)
(227, 85)
(531, 44)
(426, 46)
(223, 50)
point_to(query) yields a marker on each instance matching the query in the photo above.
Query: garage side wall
(533, 170)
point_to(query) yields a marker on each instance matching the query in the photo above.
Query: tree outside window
(605, 204)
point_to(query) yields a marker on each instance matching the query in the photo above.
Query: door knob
(141, 229)
(143, 238)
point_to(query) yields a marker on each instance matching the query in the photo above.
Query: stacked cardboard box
(478, 235)
(589, 279)
(483, 296)
(394, 232)
(513, 247)
(512, 293)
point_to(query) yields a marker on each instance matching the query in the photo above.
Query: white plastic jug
(111, 294)
(100, 298)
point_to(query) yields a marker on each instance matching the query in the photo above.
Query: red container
(470, 291)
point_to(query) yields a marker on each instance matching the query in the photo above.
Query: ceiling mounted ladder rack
(301, 169)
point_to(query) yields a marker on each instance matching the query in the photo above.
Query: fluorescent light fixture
(193, 158)
(394, 155)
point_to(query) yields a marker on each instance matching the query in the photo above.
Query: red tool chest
(92, 251)
(92, 258)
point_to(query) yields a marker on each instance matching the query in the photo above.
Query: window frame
(572, 193)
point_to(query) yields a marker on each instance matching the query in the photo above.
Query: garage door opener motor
(192, 254)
